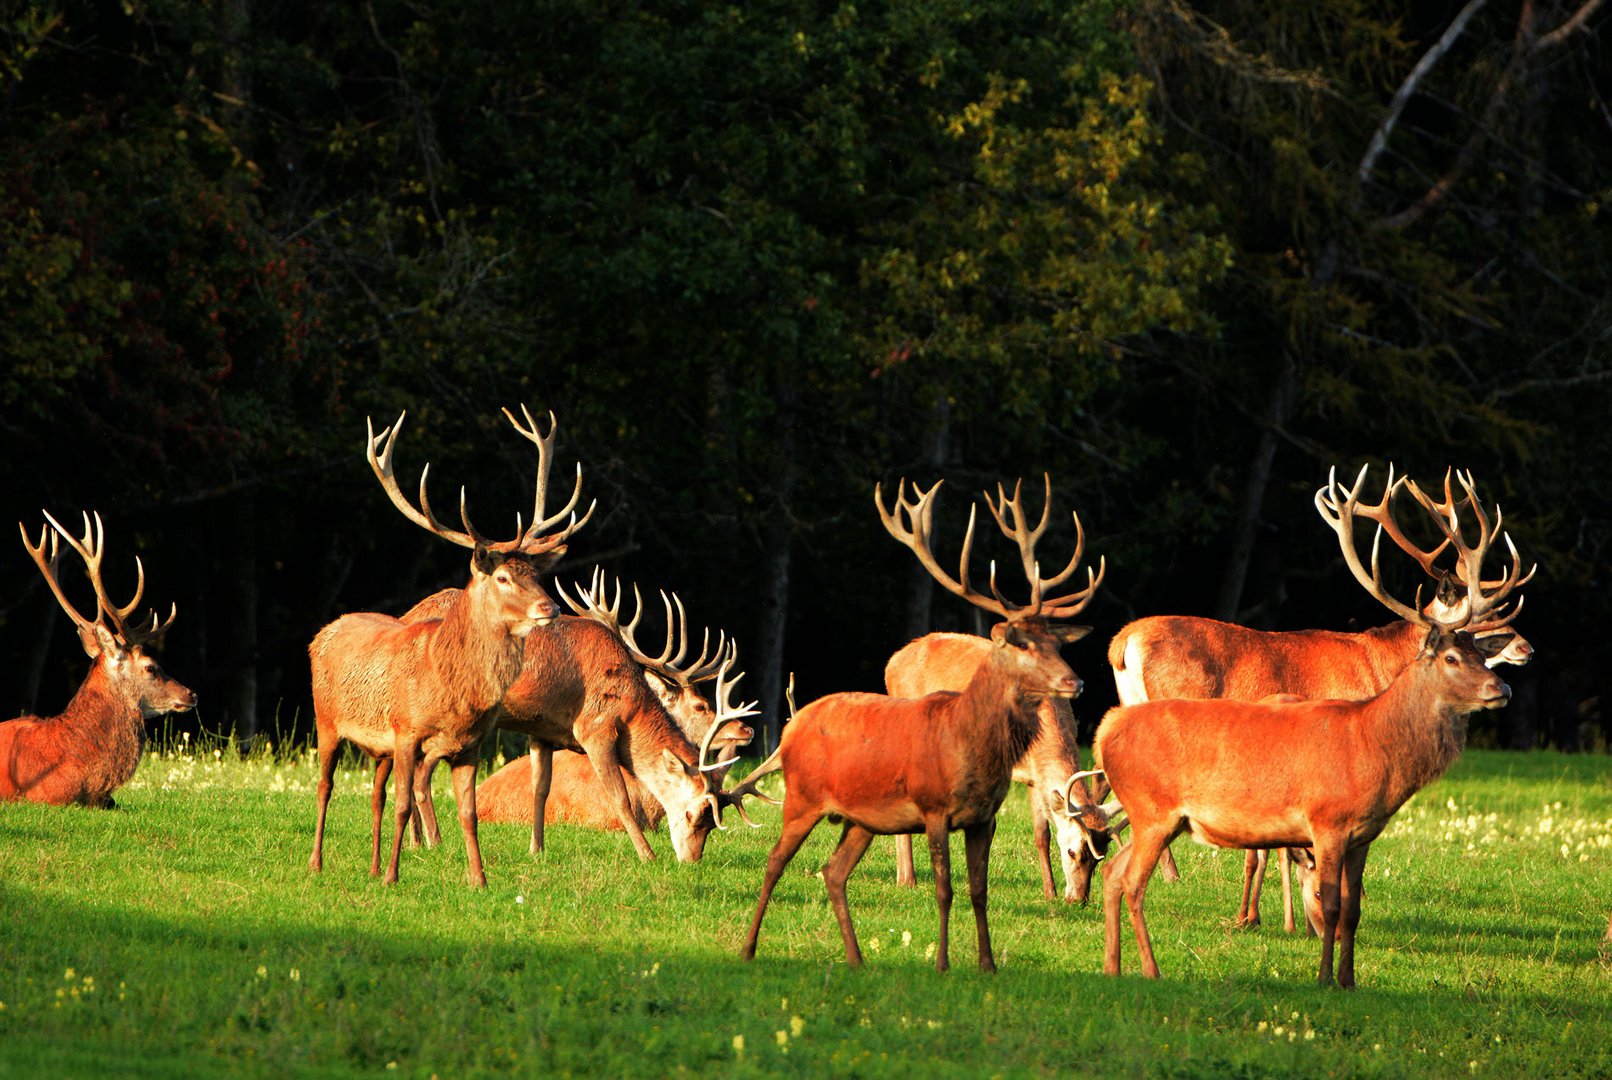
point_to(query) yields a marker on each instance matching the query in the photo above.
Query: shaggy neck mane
(487, 657)
(994, 714)
(1420, 735)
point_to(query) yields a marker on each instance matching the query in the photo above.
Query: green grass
(183, 935)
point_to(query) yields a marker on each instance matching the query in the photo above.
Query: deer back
(575, 796)
(1179, 656)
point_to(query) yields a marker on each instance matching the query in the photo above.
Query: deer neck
(1392, 648)
(1418, 732)
(995, 714)
(477, 647)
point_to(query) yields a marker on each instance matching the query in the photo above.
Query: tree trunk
(1246, 532)
(920, 586)
(777, 534)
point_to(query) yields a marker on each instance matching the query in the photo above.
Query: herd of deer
(1341, 728)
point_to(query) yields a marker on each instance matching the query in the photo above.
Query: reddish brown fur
(886, 765)
(581, 690)
(943, 661)
(400, 691)
(575, 795)
(92, 748)
(1331, 775)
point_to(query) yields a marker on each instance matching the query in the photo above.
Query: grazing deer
(1177, 656)
(1327, 775)
(582, 690)
(92, 748)
(399, 690)
(575, 794)
(943, 661)
(885, 765)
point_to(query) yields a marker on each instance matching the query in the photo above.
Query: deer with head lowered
(92, 748)
(1177, 656)
(399, 690)
(1327, 775)
(1063, 805)
(642, 715)
(886, 766)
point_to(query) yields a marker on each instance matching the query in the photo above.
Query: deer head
(117, 647)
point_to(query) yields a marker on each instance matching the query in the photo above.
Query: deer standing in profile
(90, 749)
(1327, 775)
(1177, 656)
(1061, 803)
(402, 690)
(583, 690)
(886, 766)
(575, 794)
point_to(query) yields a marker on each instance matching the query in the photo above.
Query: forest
(1183, 258)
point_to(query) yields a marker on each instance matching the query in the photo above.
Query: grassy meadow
(183, 935)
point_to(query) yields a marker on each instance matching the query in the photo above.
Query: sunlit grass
(183, 934)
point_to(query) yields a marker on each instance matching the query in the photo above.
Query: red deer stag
(582, 690)
(399, 690)
(1327, 775)
(93, 747)
(886, 765)
(575, 795)
(1176, 656)
(943, 661)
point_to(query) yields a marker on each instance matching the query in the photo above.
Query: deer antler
(533, 541)
(529, 541)
(1339, 508)
(1488, 609)
(916, 533)
(1062, 607)
(596, 603)
(91, 547)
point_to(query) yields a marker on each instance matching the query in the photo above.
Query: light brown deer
(885, 765)
(1327, 775)
(399, 690)
(1058, 798)
(575, 795)
(582, 690)
(1177, 656)
(93, 747)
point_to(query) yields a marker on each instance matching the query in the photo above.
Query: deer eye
(1451, 659)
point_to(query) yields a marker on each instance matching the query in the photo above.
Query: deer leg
(977, 847)
(602, 756)
(542, 760)
(906, 872)
(1354, 869)
(1328, 885)
(425, 807)
(1142, 855)
(1287, 890)
(1253, 880)
(377, 807)
(796, 829)
(940, 857)
(853, 845)
(405, 753)
(327, 777)
(1167, 867)
(464, 794)
(1042, 824)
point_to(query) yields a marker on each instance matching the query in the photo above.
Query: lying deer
(1331, 774)
(402, 690)
(943, 661)
(582, 690)
(575, 794)
(1175, 656)
(886, 765)
(93, 747)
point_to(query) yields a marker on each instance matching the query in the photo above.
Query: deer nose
(1499, 691)
(1071, 685)
(542, 612)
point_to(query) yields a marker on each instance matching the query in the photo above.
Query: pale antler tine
(681, 626)
(50, 567)
(464, 516)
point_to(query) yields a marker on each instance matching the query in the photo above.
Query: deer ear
(544, 561)
(1449, 590)
(673, 764)
(90, 638)
(1430, 643)
(484, 561)
(1066, 634)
